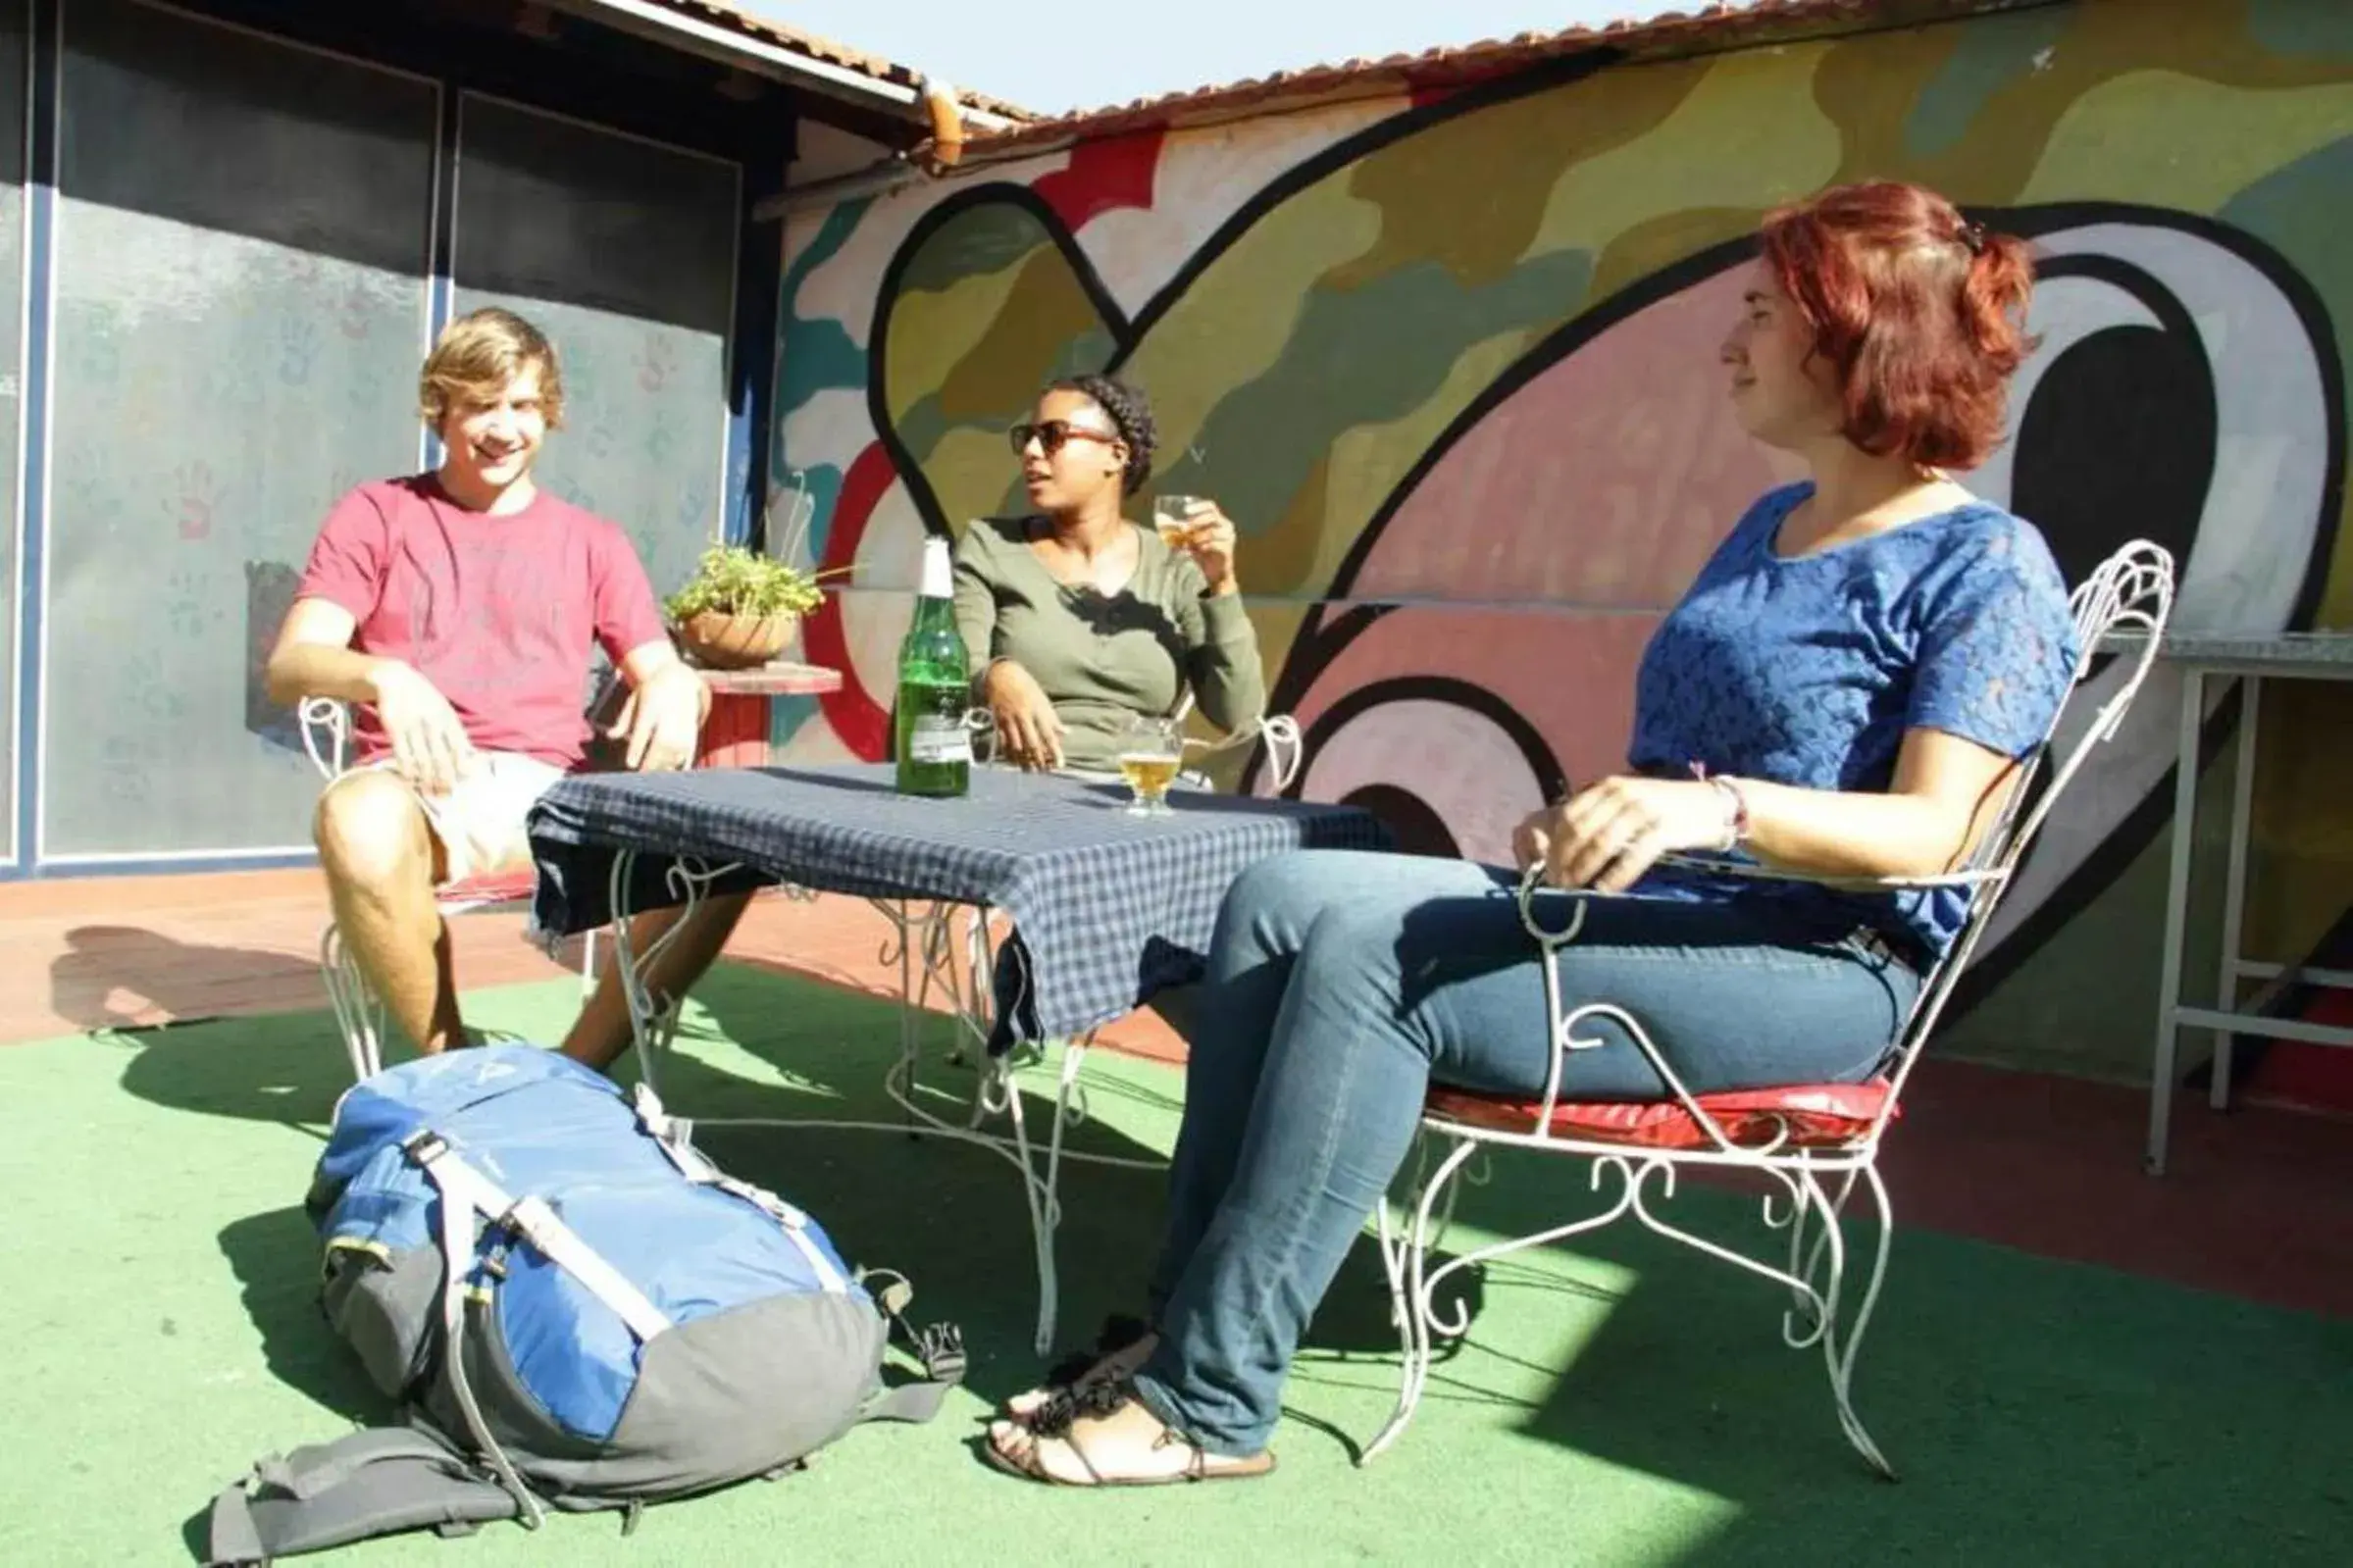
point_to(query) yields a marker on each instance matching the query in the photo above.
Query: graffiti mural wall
(1449, 362)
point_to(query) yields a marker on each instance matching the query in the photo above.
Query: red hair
(1921, 313)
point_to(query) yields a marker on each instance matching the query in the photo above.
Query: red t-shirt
(498, 612)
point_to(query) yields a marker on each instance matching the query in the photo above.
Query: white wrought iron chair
(359, 1011)
(1814, 1144)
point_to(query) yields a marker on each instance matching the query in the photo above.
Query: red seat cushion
(498, 887)
(1814, 1115)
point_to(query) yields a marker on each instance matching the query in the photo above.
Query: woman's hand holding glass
(1607, 834)
(1194, 525)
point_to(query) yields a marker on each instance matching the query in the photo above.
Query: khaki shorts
(478, 825)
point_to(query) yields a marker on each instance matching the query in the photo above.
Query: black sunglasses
(1049, 435)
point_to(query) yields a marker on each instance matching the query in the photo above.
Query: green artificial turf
(1621, 1403)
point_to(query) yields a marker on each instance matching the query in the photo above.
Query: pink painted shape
(1606, 481)
(1569, 675)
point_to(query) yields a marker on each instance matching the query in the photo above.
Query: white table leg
(2177, 907)
(652, 1019)
(2235, 889)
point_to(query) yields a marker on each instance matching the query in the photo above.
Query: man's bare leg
(379, 857)
(601, 1033)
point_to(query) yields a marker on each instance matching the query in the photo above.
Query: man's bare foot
(1112, 1440)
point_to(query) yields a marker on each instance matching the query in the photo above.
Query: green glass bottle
(934, 688)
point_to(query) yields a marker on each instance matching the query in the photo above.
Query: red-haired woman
(1843, 690)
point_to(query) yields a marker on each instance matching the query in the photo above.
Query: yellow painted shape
(2302, 830)
(931, 332)
(1477, 229)
(1747, 136)
(1656, 243)
(1234, 323)
(1045, 312)
(970, 470)
(2173, 140)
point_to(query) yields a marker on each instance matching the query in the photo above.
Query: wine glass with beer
(1151, 752)
(1172, 516)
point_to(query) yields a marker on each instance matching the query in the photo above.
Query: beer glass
(1151, 752)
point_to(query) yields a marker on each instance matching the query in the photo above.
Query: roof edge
(817, 64)
(1718, 29)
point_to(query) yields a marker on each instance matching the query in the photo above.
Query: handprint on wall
(197, 493)
(656, 360)
(297, 347)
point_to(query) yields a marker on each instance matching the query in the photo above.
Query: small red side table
(734, 733)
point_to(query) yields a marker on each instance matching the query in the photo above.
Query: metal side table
(2200, 656)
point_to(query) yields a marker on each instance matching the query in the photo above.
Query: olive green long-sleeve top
(1099, 658)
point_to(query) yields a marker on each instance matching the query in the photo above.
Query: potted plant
(742, 608)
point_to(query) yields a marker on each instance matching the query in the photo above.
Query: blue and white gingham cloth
(1108, 908)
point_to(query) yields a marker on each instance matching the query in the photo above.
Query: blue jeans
(1340, 984)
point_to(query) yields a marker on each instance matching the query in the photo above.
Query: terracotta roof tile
(1712, 28)
(825, 49)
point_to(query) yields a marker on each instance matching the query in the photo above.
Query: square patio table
(1107, 908)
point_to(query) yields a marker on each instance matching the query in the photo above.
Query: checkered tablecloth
(1107, 908)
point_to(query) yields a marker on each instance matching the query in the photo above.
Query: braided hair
(1131, 413)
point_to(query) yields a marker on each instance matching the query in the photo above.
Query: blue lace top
(1808, 671)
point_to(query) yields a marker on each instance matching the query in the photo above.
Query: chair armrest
(325, 733)
(1731, 866)
(1285, 750)
(1531, 883)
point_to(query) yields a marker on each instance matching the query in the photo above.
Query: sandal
(1119, 1350)
(1056, 1422)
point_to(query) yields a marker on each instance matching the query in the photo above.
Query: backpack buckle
(940, 1347)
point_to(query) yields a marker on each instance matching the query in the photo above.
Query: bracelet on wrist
(1736, 812)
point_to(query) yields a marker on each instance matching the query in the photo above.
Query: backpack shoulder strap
(940, 1348)
(365, 1483)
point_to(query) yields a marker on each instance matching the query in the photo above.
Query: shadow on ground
(2040, 1411)
(105, 963)
(275, 1257)
(2037, 1411)
(947, 1214)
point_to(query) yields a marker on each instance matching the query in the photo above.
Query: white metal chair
(1812, 1144)
(359, 1011)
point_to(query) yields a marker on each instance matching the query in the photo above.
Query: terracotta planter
(719, 640)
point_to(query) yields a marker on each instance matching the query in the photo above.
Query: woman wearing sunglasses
(1076, 619)
(1846, 690)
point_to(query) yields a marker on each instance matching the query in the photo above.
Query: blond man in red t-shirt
(455, 612)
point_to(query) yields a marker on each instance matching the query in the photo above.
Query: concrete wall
(1451, 365)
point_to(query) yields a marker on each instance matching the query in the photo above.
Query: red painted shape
(2296, 1075)
(857, 718)
(1103, 177)
(734, 733)
(1424, 92)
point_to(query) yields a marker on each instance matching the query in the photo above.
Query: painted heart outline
(949, 458)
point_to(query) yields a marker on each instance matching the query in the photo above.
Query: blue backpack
(575, 1308)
